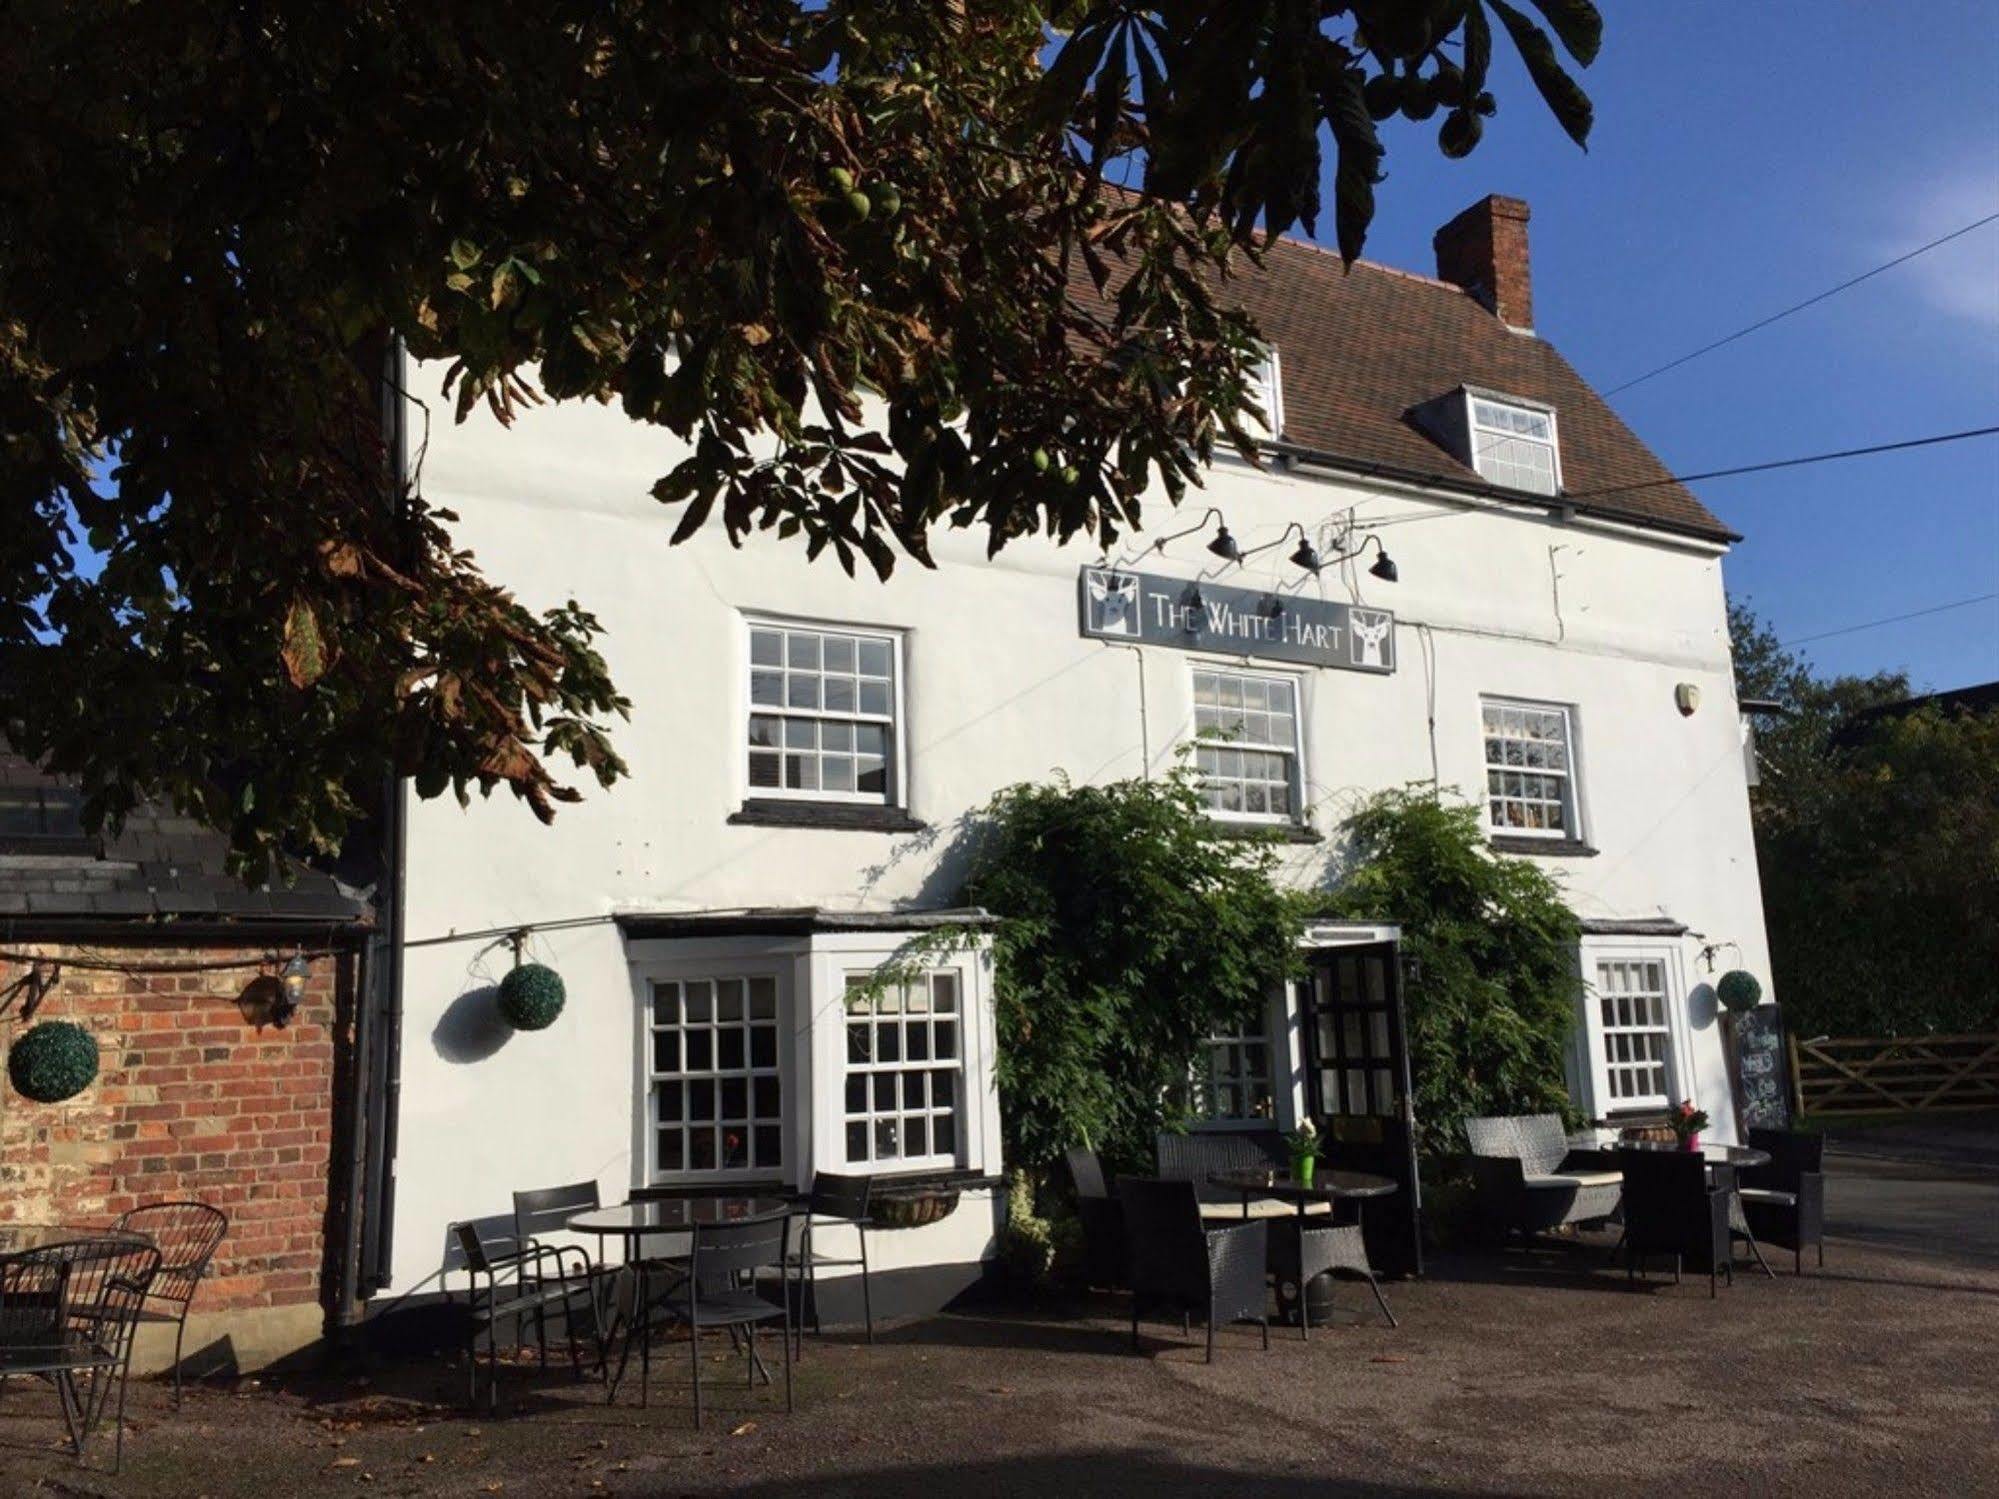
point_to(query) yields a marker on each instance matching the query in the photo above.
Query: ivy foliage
(733, 219)
(1131, 929)
(1494, 998)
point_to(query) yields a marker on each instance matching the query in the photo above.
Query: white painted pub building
(806, 747)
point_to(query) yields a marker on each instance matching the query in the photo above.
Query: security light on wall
(1306, 556)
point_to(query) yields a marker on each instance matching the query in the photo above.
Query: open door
(1357, 1087)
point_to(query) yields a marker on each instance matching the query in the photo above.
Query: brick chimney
(1484, 250)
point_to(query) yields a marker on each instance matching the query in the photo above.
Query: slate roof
(1359, 350)
(160, 865)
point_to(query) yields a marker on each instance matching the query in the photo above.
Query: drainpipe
(385, 997)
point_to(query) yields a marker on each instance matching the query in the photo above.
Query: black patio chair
(1784, 1202)
(834, 1201)
(59, 1324)
(1171, 1257)
(725, 1261)
(1101, 1217)
(1302, 1249)
(1670, 1208)
(547, 1210)
(187, 1234)
(521, 1282)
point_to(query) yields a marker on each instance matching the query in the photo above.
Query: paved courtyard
(1518, 1374)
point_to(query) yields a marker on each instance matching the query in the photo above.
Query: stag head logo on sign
(1197, 616)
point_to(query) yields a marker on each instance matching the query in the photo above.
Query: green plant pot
(1303, 1168)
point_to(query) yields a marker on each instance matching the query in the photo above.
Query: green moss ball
(1739, 991)
(53, 1061)
(531, 997)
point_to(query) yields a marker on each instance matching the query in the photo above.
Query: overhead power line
(1893, 619)
(1758, 468)
(1831, 291)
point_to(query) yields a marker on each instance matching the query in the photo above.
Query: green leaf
(1571, 106)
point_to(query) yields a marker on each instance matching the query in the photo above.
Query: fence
(1881, 1074)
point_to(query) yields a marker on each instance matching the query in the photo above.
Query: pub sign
(1147, 609)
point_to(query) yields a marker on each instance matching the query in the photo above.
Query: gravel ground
(1519, 1374)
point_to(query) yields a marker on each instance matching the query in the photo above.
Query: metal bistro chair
(187, 1234)
(724, 1260)
(531, 1292)
(834, 1201)
(1671, 1208)
(547, 1210)
(1173, 1258)
(70, 1309)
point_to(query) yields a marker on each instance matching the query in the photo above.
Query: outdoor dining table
(1330, 1186)
(21, 1238)
(632, 1223)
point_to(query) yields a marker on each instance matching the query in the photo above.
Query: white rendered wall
(1000, 688)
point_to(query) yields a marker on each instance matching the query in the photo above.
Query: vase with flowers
(1306, 1148)
(1688, 1122)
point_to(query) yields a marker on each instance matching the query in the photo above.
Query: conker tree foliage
(730, 217)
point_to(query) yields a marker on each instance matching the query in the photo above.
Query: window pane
(944, 1134)
(672, 1150)
(947, 1040)
(887, 1140)
(763, 998)
(766, 648)
(764, 1102)
(763, 1046)
(874, 698)
(871, 775)
(802, 651)
(766, 688)
(767, 1141)
(764, 770)
(729, 1049)
(735, 1098)
(857, 1142)
(874, 658)
(839, 653)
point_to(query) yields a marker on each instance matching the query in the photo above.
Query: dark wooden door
(1357, 1087)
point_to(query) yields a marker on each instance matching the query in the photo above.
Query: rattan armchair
(1221, 1272)
(1783, 1203)
(1526, 1180)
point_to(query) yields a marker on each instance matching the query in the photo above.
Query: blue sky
(1744, 158)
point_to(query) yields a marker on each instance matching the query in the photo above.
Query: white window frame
(1474, 430)
(1296, 749)
(894, 723)
(1270, 394)
(721, 965)
(1595, 1065)
(1204, 1081)
(959, 1109)
(1571, 777)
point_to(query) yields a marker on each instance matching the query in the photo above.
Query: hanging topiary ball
(52, 1061)
(1739, 991)
(531, 997)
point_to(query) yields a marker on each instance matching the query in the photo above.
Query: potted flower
(1306, 1147)
(1688, 1122)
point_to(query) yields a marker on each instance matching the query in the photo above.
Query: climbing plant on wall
(1494, 950)
(1131, 929)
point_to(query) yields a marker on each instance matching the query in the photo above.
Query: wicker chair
(1221, 1272)
(1102, 1219)
(1195, 1157)
(1303, 1249)
(1527, 1180)
(187, 1234)
(1783, 1203)
(1671, 1208)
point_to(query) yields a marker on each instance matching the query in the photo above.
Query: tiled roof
(159, 865)
(1359, 350)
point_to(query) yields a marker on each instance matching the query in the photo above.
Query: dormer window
(1513, 446)
(1267, 387)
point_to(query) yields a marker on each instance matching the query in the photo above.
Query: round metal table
(85, 1243)
(1723, 1161)
(1329, 1185)
(633, 1223)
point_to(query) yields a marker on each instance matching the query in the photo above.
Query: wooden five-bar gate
(1887, 1074)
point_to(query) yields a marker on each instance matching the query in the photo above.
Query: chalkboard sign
(1758, 1068)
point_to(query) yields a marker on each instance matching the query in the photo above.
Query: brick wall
(190, 1101)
